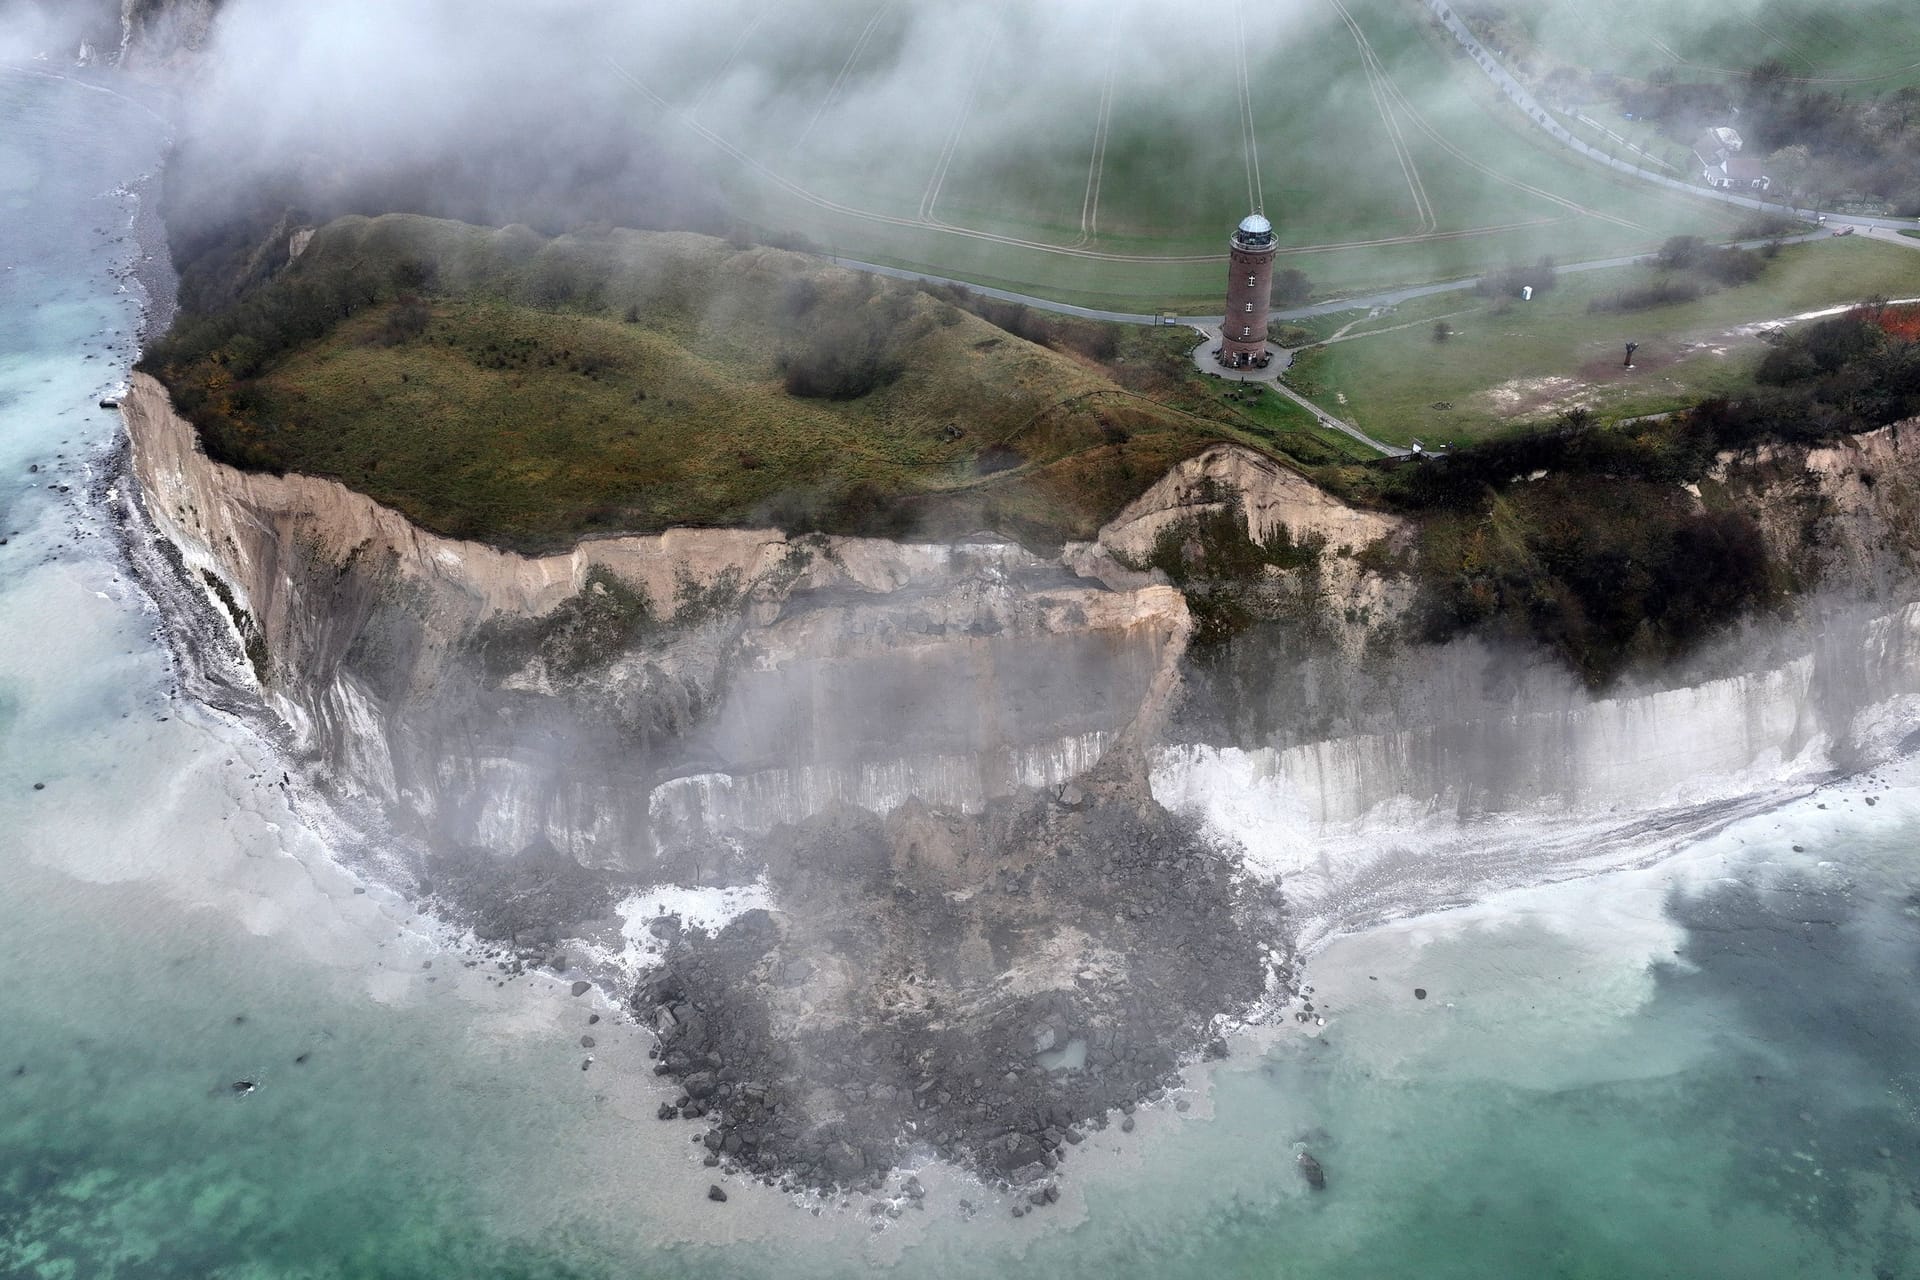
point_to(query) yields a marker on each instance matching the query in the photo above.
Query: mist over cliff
(1016, 848)
(563, 114)
(55, 28)
(151, 37)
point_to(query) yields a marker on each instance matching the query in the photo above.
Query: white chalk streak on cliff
(757, 801)
(1456, 806)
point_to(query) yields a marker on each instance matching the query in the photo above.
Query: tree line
(1815, 144)
(1606, 560)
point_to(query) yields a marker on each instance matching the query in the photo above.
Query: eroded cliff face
(1349, 601)
(1008, 892)
(1845, 514)
(1426, 775)
(599, 701)
(154, 38)
(984, 932)
(628, 701)
(164, 35)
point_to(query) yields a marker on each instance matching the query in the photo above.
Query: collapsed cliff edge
(930, 762)
(983, 894)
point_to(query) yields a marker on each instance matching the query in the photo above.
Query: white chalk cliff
(780, 676)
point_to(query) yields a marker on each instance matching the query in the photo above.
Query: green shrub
(584, 632)
(1600, 575)
(406, 320)
(843, 360)
(1660, 293)
(1222, 571)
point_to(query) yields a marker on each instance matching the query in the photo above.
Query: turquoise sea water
(1710, 1067)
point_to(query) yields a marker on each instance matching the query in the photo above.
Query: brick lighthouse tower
(1243, 333)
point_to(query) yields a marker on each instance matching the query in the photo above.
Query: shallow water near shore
(1709, 1067)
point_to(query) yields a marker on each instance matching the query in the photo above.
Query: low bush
(1603, 575)
(1094, 339)
(841, 360)
(583, 633)
(1664, 292)
(1291, 287)
(1509, 282)
(406, 320)
(1730, 265)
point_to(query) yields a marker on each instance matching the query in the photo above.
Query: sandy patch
(1527, 395)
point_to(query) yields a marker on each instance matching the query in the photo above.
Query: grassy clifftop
(499, 385)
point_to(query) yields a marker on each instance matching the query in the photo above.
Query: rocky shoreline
(152, 270)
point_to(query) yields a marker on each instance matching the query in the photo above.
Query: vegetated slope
(1615, 548)
(1612, 545)
(499, 385)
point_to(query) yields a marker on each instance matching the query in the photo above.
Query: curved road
(1208, 325)
(1541, 119)
(1517, 93)
(1385, 298)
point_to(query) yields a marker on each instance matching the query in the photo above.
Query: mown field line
(939, 178)
(1774, 37)
(1421, 204)
(818, 201)
(1440, 140)
(1097, 164)
(1249, 136)
(846, 69)
(713, 81)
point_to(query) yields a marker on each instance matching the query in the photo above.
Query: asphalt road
(1386, 298)
(1535, 112)
(1538, 115)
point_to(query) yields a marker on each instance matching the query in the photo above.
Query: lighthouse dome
(1254, 233)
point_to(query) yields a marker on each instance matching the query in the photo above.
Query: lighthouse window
(1249, 306)
(1250, 280)
(1245, 331)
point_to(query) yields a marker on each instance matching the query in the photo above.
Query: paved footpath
(1269, 377)
(1388, 298)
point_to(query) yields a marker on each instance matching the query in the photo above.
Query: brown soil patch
(1612, 367)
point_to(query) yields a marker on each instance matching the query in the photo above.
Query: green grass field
(1525, 362)
(633, 381)
(1381, 154)
(1861, 45)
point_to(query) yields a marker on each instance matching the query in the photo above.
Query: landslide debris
(983, 987)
